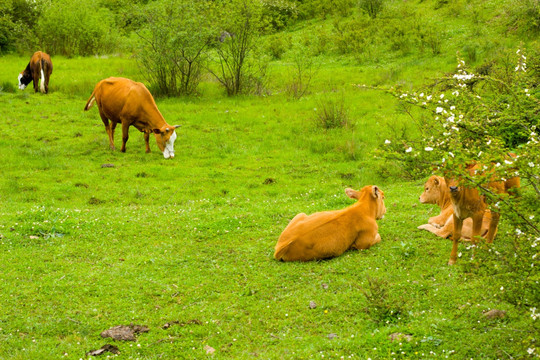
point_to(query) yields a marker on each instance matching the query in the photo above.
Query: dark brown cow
(39, 67)
(128, 102)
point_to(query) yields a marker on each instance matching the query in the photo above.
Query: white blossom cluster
(522, 61)
(462, 74)
(534, 314)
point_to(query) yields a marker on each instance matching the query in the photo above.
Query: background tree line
(176, 42)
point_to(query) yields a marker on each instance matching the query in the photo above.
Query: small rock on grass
(107, 347)
(209, 350)
(123, 332)
(495, 314)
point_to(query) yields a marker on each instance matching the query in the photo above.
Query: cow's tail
(90, 101)
(42, 82)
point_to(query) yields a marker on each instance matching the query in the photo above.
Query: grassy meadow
(92, 238)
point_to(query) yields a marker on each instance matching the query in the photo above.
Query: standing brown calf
(39, 67)
(437, 192)
(469, 203)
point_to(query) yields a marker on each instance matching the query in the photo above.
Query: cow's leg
(109, 128)
(476, 229)
(46, 85)
(35, 79)
(456, 236)
(146, 141)
(125, 135)
(493, 227)
(366, 239)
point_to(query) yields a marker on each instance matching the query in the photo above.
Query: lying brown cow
(330, 233)
(130, 103)
(437, 192)
(468, 202)
(39, 67)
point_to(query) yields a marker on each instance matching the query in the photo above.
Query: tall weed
(332, 113)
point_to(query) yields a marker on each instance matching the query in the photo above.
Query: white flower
(408, 150)
(530, 351)
(455, 93)
(451, 118)
(427, 148)
(442, 96)
(452, 107)
(387, 141)
(489, 142)
(421, 95)
(531, 164)
(428, 97)
(508, 162)
(502, 288)
(518, 232)
(451, 154)
(498, 164)
(439, 110)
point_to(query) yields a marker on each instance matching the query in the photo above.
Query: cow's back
(122, 98)
(318, 236)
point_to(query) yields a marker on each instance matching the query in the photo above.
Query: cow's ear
(353, 194)
(375, 191)
(436, 181)
(177, 126)
(156, 131)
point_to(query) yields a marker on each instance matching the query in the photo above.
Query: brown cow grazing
(437, 192)
(39, 67)
(130, 103)
(330, 233)
(468, 202)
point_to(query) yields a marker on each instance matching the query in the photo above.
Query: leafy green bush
(277, 45)
(239, 66)
(174, 45)
(372, 7)
(303, 70)
(277, 14)
(352, 35)
(76, 27)
(524, 15)
(483, 119)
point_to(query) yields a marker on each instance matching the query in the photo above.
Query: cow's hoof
(451, 261)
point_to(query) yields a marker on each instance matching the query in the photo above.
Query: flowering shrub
(494, 123)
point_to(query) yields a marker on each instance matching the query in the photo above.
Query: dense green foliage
(95, 238)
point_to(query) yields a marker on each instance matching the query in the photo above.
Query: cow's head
(24, 79)
(434, 190)
(371, 193)
(165, 138)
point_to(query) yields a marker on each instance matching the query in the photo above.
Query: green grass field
(189, 241)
